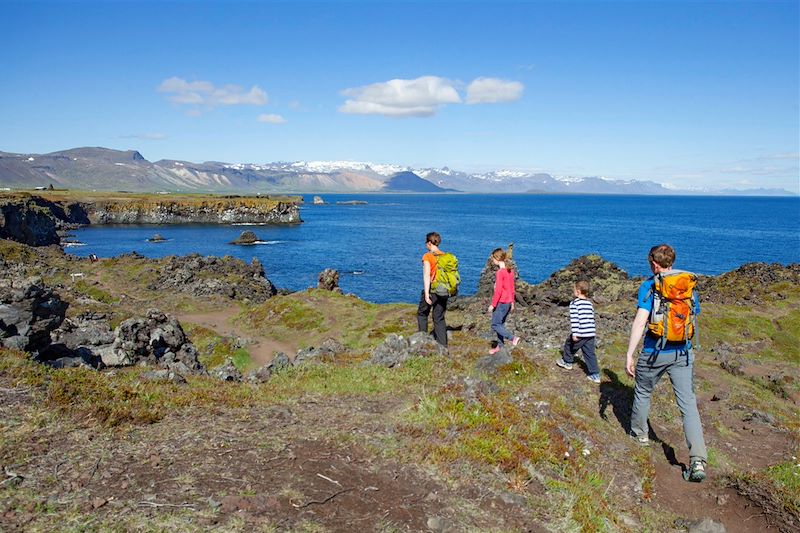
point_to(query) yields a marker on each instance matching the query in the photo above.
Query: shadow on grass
(619, 396)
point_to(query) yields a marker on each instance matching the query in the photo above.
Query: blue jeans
(680, 367)
(584, 344)
(499, 316)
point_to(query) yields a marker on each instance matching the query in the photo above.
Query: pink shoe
(494, 350)
(515, 341)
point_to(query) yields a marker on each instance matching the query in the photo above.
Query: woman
(432, 300)
(502, 300)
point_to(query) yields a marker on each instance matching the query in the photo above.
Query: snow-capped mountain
(105, 169)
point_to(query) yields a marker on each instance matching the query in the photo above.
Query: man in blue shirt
(673, 358)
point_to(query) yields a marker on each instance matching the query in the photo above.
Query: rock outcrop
(87, 337)
(204, 276)
(28, 223)
(329, 280)
(29, 311)
(213, 211)
(37, 221)
(246, 237)
(396, 349)
(156, 340)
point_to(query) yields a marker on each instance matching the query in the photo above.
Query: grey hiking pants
(680, 367)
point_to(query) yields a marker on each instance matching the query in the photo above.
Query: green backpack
(447, 276)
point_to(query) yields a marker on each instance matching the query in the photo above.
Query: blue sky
(691, 94)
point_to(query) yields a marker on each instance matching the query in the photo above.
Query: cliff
(36, 220)
(206, 211)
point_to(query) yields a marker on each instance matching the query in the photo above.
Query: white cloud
(271, 118)
(424, 96)
(145, 136)
(206, 94)
(421, 97)
(493, 90)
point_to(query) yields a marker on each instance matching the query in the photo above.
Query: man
(658, 358)
(435, 301)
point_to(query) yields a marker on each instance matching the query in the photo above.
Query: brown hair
(433, 238)
(663, 255)
(582, 286)
(498, 254)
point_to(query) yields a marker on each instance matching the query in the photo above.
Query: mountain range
(115, 170)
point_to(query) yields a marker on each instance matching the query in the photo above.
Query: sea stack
(247, 237)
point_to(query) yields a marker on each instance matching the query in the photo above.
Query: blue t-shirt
(645, 301)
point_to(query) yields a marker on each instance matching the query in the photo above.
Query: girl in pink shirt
(502, 300)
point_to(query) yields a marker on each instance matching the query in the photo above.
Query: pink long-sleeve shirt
(503, 287)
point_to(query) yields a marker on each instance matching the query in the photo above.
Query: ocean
(377, 246)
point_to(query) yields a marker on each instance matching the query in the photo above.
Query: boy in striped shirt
(582, 332)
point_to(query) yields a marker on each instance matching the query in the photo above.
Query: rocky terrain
(188, 393)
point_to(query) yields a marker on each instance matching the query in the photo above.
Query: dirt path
(261, 349)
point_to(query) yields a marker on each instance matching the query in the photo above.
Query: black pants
(439, 306)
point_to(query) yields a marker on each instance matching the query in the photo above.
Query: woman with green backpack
(434, 295)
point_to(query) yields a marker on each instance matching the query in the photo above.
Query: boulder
(226, 372)
(396, 349)
(156, 238)
(490, 364)
(328, 349)
(247, 237)
(155, 339)
(262, 375)
(29, 312)
(329, 280)
(89, 330)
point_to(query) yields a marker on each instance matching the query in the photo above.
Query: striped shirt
(581, 318)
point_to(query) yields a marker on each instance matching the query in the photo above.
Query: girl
(502, 300)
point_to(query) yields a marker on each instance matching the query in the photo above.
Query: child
(502, 300)
(582, 332)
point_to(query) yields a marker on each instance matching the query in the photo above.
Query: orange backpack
(673, 317)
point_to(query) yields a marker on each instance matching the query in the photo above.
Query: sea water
(377, 246)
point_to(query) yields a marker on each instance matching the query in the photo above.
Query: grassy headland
(433, 444)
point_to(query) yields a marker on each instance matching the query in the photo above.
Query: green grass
(353, 379)
(786, 476)
(94, 292)
(213, 349)
(584, 506)
(315, 315)
(778, 330)
(490, 431)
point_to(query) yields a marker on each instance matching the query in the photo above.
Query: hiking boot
(494, 350)
(595, 378)
(696, 471)
(515, 341)
(563, 364)
(643, 440)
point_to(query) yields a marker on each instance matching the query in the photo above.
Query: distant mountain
(409, 182)
(106, 169)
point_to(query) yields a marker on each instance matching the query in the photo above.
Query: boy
(582, 332)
